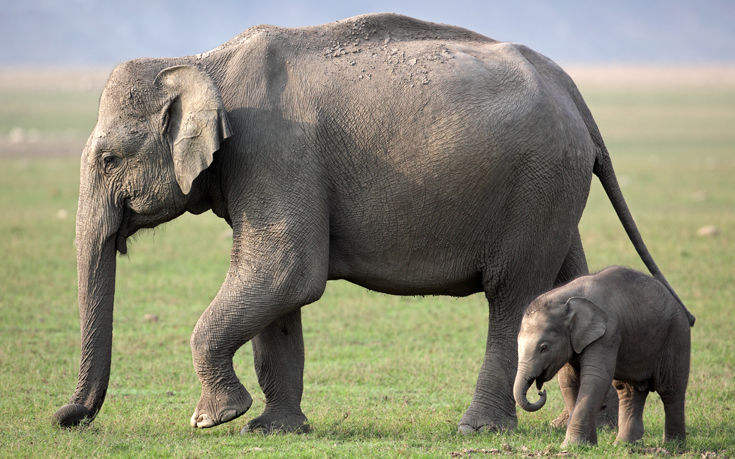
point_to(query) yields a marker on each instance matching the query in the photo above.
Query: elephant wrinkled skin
(408, 157)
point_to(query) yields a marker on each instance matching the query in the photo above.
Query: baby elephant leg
(569, 385)
(674, 393)
(674, 427)
(630, 412)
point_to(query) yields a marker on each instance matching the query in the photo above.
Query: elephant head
(552, 331)
(157, 130)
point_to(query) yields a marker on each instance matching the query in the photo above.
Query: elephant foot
(578, 442)
(471, 423)
(270, 423)
(627, 439)
(607, 418)
(215, 408)
(561, 420)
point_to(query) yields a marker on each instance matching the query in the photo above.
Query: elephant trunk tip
(538, 404)
(520, 395)
(72, 414)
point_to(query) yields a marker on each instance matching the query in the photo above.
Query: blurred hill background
(92, 33)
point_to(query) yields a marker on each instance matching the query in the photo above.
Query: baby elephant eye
(543, 347)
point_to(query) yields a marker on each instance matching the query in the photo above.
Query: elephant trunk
(520, 388)
(97, 228)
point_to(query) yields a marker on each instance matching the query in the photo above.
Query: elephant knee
(298, 286)
(203, 345)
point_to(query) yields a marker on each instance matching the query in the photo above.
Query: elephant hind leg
(575, 262)
(675, 380)
(278, 353)
(568, 379)
(508, 292)
(630, 418)
(493, 406)
(674, 424)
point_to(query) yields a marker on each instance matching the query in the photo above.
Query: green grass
(385, 376)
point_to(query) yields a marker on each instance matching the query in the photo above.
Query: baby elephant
(618, 326)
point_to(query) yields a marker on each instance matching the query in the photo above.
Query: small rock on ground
(150, 318)
(708, 231)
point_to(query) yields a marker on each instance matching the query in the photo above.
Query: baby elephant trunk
(522, 384)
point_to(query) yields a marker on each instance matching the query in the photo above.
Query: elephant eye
(109, 162)
(543, 347)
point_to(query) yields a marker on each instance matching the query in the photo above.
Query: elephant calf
(617, 326)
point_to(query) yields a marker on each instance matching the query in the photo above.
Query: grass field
(385, 376)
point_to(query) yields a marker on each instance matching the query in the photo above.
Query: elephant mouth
(121, 238)
(542, 378)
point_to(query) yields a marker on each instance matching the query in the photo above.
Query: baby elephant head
(552, 331)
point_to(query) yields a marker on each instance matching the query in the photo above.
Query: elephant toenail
(204, 421)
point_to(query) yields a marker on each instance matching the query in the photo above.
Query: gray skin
(407, 157)
(618, 326)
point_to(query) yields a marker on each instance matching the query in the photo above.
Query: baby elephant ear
(588, 322)
(194, 120)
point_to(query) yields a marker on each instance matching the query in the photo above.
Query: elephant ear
(194, 121)
(588, 322)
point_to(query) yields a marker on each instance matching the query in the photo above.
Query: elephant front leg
(234, 317)
(569, 385)
(279, 363)
(213, 344)
(595, 378)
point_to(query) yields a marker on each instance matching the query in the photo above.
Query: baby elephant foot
(268, 423)
(561, 420)
(217, 407)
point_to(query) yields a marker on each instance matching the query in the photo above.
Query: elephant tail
(603, 169)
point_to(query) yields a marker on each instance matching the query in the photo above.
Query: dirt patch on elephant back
(652, 77)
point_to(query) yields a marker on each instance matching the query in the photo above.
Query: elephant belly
(433, 242)
(407, 274)
(413, 269)
(417, 233)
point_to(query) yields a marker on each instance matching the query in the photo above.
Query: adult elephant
(408, 157)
